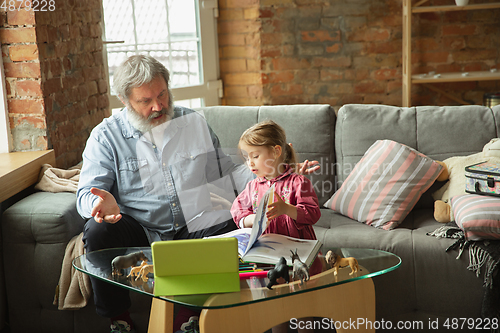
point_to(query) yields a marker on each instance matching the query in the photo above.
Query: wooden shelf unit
(408, 78)
(429, 9)
(456, 77)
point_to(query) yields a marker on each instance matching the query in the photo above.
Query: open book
(255, 247)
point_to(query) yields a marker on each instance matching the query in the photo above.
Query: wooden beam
(420, 3)
(407, 76)
(444, 93)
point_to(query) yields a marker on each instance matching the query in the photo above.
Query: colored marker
(248, 275)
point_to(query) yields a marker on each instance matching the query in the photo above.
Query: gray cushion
(437, 132)
(441, 130)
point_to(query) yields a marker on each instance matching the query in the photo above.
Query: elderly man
(152, 172)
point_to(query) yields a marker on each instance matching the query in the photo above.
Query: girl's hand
(307, 167)
(279, 207)
(248, 221)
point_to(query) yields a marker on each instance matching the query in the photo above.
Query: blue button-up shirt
(166, 178)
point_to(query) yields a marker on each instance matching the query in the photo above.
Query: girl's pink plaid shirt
(294, 189)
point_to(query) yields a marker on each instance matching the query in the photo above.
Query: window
(170, 31)
(4, 117)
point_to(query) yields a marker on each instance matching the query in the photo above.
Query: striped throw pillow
(477, 215)
(385, 185)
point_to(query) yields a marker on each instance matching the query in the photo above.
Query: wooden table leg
(161, 317)
(346, 304)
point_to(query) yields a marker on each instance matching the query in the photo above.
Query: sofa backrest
(310, 129)
(438, 132)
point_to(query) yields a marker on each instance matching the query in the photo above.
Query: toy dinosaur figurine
(299, 268)
(129, 260)
(280, 270)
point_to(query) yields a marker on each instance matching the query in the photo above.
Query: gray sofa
(430, 283)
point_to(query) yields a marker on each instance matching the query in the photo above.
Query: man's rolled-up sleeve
(97, 171)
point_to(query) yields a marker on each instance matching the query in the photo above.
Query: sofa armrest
(42, 217)
(35, 233)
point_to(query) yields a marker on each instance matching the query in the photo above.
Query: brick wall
(56, 82)
(239, 26)
(338, 52)
(23, 80)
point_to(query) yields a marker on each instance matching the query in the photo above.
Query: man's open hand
(106, 209)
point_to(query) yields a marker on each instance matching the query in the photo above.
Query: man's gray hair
(136, 71)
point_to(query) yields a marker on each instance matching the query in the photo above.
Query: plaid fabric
(483, 254)
(385, 185)
(477, 215)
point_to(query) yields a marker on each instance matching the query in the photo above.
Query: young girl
(273, 160)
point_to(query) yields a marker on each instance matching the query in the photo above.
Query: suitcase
(483, 178)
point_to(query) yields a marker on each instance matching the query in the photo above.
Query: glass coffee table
(343, 298)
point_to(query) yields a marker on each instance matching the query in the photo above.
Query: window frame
(210, 91)
(5, 137)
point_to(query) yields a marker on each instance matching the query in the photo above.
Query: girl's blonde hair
(269, 134)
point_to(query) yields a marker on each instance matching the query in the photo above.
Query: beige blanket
(74, 288)
(58, 180)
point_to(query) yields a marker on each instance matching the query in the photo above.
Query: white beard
(145, 125)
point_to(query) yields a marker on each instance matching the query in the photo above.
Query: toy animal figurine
(336, 261)
(299, 268)
(143, 273)
(129, 260)
(280, 270)
(136, 270)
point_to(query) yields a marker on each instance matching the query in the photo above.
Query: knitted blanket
(74, 289)
(55, 180)
(484, 253)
